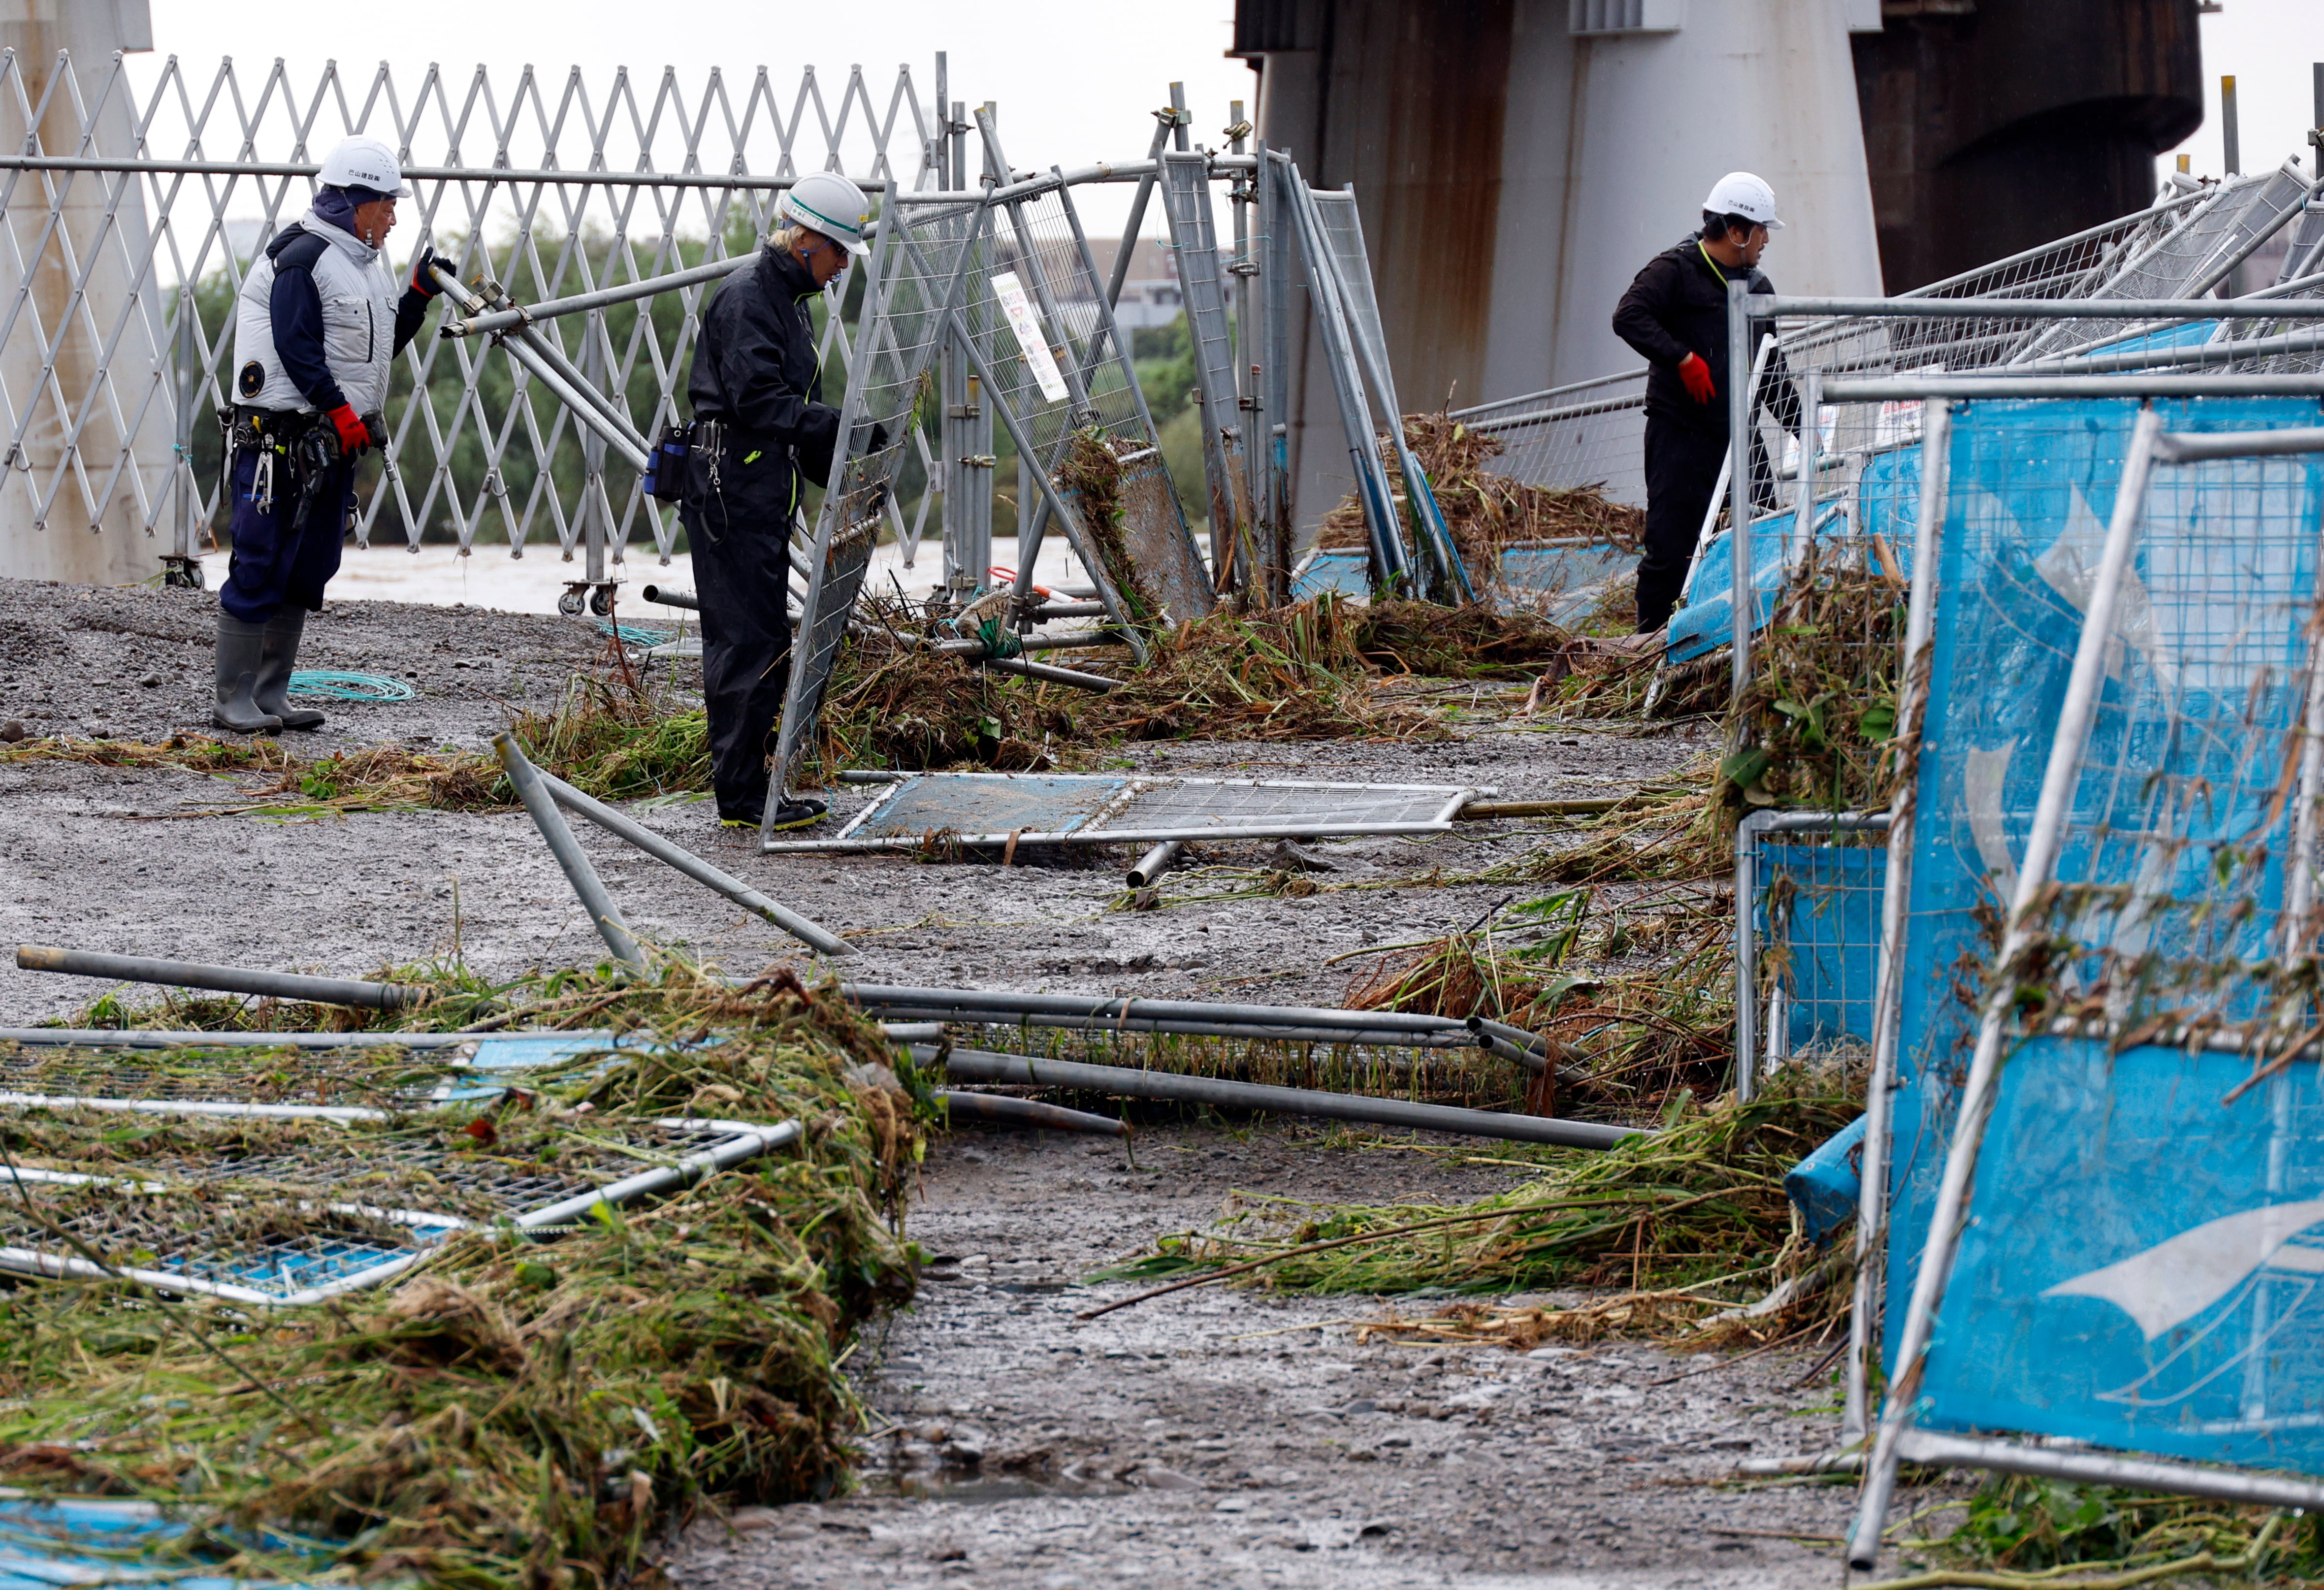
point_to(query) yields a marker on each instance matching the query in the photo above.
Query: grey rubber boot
(239, 645)
(276, 659)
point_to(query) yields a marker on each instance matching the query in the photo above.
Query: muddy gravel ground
(1212, 1438)
(1225, 1438)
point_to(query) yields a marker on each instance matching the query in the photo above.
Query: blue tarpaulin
(2141, 1263)
(1822, 937)
(1885, 503)
(97, 1541)
(2094, 1161)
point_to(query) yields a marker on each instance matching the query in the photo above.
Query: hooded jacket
(318, 320)
(1677, 305)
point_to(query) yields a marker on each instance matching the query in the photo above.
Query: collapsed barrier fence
(2100, 892)
(2145, 808)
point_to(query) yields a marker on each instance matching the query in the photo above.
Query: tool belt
(276, 429)
(304, 446)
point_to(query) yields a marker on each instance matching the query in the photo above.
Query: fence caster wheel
(571, 602)
(601, 601)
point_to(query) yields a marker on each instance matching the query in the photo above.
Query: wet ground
(1215, 1437)
(1218, 1437)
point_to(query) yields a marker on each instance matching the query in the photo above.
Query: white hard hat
(828, 203)
(1739, 193)
(364, 161)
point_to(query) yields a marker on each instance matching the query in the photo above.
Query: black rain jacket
(755, 369)
(1678, 306)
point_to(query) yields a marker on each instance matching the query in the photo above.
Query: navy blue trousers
(275, 562)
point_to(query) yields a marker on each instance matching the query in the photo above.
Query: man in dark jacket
(761, 427)
(1676, 315)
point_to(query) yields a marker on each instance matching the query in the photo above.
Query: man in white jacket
(317, 322)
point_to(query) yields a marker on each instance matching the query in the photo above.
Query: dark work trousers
(275, 562)
(741, 578)
(1681, 470)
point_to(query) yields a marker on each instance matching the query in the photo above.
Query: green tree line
(499, 492)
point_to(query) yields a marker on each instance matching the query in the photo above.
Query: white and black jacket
(317, 321)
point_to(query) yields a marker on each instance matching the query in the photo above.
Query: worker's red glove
(354, 436)
(1697, 376)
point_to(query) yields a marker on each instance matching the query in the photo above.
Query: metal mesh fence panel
(1590, 433)
(271, 1202)
(916, 275)
(1810, 893)
(146, 193)
(1041, 323)
(2169, 913)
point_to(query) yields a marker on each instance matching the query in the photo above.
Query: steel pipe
(2201, 353)
(541, 807)
(152, 1037)
(2181, 447)
(1112, 1007)
(588, 407)
(1028, 643)
(135, 968)
(483, 323)
(1154, 863)
(806, 931)
(1762, 305)
(1048, 611)
(1057, 675)
(1480, 810)
(670, 599)
(1003, 1109)
(1939, 1450)
(1352, 1037)
(982, 1066)
(1884, 389)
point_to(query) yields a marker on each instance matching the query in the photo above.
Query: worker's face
(1751, 245)
(823, 258)
(374, 221)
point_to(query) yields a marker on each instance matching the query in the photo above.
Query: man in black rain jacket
(761, 431)
(1676, 315)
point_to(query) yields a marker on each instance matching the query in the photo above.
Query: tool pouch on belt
(665, 479)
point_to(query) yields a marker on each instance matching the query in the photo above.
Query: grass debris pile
(1690, 1225)
(1485, 510)
(1817, 721)
(518, 1413)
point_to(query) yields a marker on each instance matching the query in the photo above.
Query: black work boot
(274, 664)
(239, 646)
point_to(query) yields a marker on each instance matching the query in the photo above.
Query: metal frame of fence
(1895, 1439)
(149, 187)
(526, 1202)
(1096, 809)
(1758, 1025)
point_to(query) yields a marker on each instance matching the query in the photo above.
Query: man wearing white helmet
(760, 427)
(315, 324)
(1676, 315)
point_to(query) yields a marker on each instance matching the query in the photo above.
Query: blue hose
(325, 684)
(633, 634)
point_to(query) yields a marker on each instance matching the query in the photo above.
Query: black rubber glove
(422, 281)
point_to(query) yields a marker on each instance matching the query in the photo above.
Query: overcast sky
(1075, 81)
(2269, 47)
